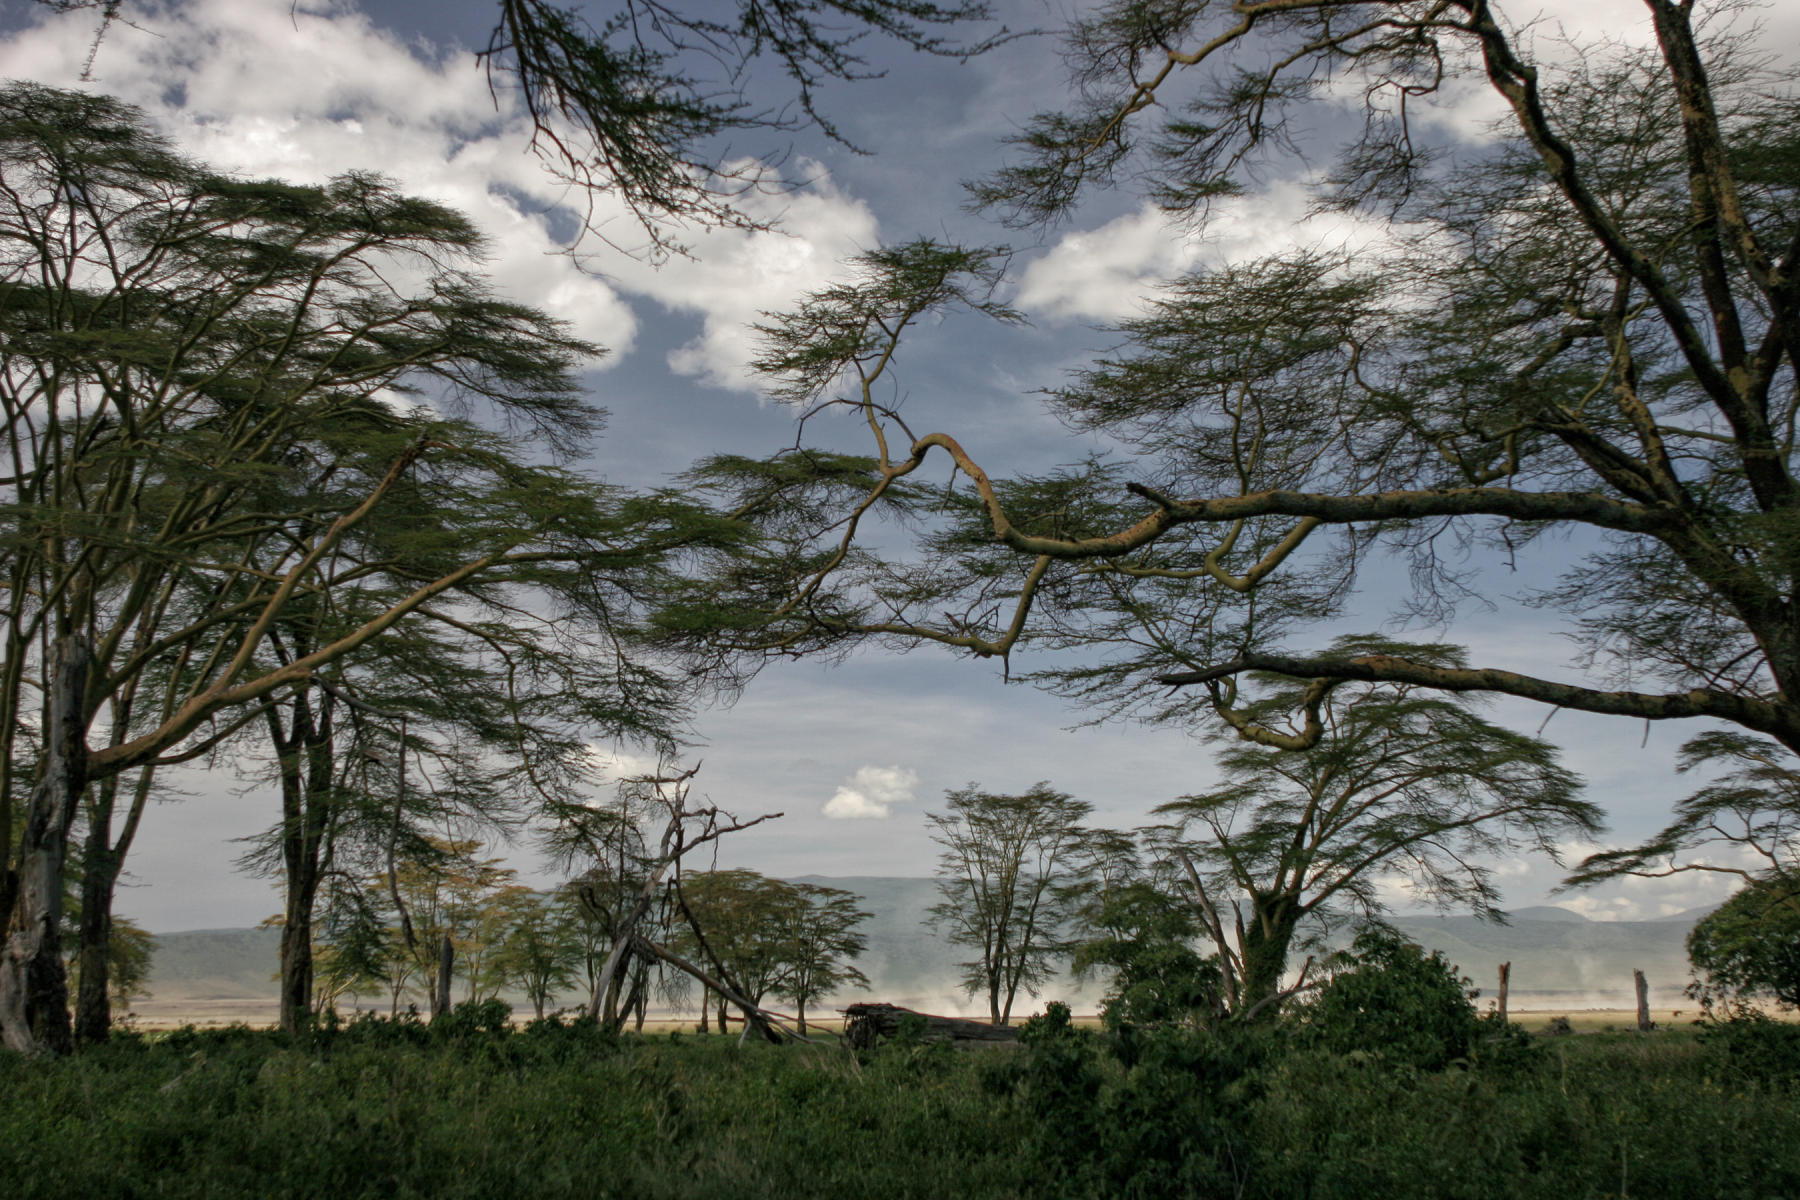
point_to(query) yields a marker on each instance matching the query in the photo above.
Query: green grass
(381, 1110)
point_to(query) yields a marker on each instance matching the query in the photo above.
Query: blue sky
(854, 754)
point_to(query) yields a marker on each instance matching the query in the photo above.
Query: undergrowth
(468, 1107)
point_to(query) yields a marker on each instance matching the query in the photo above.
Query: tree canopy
(1402, 786)
(1749, 947)
(1006, 875)
(251, 429)
(1584, 323)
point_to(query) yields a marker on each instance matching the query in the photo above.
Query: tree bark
(446, 962)
(100, 874)
(307, 760)
(34, 986)
(1505, 980)
(1267, 937)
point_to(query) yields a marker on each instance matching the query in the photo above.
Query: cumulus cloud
(261, 88)
(735, 276)
(1104, 273)
(871, 793)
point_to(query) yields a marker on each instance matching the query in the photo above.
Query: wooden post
(1645, 1025)
(1505, 979)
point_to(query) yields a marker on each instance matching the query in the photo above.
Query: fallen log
(865, 1024)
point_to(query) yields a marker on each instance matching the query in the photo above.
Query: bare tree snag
(759, 1019)
(34, 990)
(673, 790)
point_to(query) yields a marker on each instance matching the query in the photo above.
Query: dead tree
(684, 830)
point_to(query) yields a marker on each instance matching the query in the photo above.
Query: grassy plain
(472, 1110)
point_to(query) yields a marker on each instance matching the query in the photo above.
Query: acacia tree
(1144, 933)
(1007, 876)
(539, 948)
(204, 385)
(1404, 785)
(819, 942)
(1746, 822)
(1587, 322)
(738, 921)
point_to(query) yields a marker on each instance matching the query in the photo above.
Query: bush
(1395, 1003)
(1752, 1046)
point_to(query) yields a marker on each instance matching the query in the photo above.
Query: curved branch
(1591, 508)
(1779, 717)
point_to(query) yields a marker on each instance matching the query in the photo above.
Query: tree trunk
(800, 1014)
(1267, 937)
(446, 962)
(103, 859)
(1505, 980)
(34, 985)
(307, 760)
(1645, 1024)
(296, 963)
(100, 875)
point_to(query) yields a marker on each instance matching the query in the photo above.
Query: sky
(855, 754)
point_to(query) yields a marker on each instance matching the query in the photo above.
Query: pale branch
(1778, 718)
(1230, 965)
(762, 1019)
(1317, 692)
(1591, 508)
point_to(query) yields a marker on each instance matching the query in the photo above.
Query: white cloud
(736, 276)
(259, 88)
(871, 793)
(613, 763)
(1105, 273)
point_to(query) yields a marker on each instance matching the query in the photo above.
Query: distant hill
(1559, 957)
(1557, 962)
(228, 962)
(1541, 912)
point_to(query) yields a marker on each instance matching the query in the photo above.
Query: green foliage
(1756, 1047)
(1145, 939)
(1750, 946)
(1007, 876)
(401, 1108)
(1396, 1004)
(1326, 789)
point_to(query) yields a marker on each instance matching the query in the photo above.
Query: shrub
(1395, 1003)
